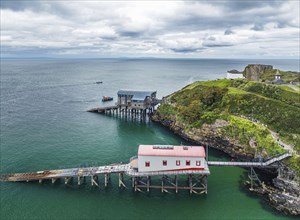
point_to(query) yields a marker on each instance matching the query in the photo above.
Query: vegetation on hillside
(287, 76)
(237, 101)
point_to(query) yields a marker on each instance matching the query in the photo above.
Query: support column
(132, 182)
(251, 178)
(148, 183)
(106, 179)
(67, 180)
(176, 184)
(121, 179)
(53, 180)
(191, 183)
(94, 180)
(135, 183)
(206, 183)
(162, 184)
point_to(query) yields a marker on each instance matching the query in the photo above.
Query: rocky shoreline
(283, 194)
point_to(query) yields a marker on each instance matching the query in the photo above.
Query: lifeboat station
(170, 161)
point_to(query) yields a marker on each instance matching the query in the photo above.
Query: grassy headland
(232, 110)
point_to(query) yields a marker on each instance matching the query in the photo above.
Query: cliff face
(208, 134)
(254, 71)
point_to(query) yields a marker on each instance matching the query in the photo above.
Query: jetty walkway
(267, 163)
(127, 169)
(104, 109)
(91, 171)
(197, 179)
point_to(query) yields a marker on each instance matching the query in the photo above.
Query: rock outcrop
(254, 71)
(284, 195)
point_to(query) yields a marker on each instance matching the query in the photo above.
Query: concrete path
(284, 145)
(294, 87)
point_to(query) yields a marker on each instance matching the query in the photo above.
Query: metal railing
(250, 164)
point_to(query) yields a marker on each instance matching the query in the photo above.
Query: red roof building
(169, 157)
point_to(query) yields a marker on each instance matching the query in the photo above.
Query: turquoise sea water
(44, 125)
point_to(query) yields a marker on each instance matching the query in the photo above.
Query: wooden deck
(128, 169)
(103, 109)
(90, 171)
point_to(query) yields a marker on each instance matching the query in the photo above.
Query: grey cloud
(241, 5)
(212, 44)
(20, 5)
(235, 13)
(249, 5)
(79, 24)
(185, 50)
(211, 38)
(52, 7)
(228, 32)
(133, 34)
(258, 27)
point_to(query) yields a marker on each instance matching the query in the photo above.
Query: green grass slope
(275, 107)
(287, 76)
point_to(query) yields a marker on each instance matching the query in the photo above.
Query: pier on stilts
(124, 112)
(197, 180)
(167, 181)
(134, 104)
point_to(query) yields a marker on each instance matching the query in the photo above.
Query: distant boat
(107, 98)
(99, 82)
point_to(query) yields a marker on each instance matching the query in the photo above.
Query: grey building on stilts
(137, 101)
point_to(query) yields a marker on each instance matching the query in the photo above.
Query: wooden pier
(119, 111)
(103, 109)
(196, 179)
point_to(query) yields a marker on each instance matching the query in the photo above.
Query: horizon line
(157, 58)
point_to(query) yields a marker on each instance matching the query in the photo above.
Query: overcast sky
(187, 29)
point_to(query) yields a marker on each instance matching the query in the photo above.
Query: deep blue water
(44, 125)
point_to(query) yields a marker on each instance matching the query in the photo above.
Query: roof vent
(164, 147)
(185, 148)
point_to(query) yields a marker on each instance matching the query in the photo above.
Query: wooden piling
(94, 179)
(67, 180)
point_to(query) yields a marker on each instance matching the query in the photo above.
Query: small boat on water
(107, 98)
(99, 82)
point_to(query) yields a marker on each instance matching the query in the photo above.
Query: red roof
(171, 151)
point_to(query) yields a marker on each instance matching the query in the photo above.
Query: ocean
(45, 125)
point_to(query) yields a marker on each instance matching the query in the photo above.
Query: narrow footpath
(288, 147)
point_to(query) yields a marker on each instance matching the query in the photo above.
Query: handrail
(249, 164)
